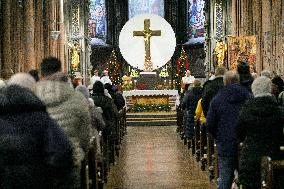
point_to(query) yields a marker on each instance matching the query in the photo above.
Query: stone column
(61, 39)
(6, 69)
(30, 62)
(266, 33)
(257, 30)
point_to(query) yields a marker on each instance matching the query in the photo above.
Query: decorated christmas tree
(114, 69)
(181, 67)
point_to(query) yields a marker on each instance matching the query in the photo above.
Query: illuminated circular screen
(133, 47)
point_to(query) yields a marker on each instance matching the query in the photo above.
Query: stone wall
(263, 18)
(26, 33)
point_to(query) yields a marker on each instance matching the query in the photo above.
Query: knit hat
(24, 80)
(261, 87)
(243, 67)
(277, 80)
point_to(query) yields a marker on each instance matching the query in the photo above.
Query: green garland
(150, 108)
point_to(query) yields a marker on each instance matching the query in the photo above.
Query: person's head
(24, 80)
(261, 86)
(34, 74)
(266, 73)
(220, 71)
(231, 77)
(98, 87)
(197, 83)
(277, 85)
(243, 67)
(188, 73)
(83, 89)
(96, 73)
(105, 73)
(108, 87)
(50, 66)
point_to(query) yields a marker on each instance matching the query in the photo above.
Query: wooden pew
(197, 140)
(272, 170)
(203, 147)
(210, 155)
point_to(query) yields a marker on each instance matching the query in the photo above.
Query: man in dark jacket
(211, 88)
(34, 152)
(221, 122)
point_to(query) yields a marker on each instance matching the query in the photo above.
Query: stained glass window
(97, 22)
(196, 19)
(136, 7)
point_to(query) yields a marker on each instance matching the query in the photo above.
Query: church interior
(180, 93)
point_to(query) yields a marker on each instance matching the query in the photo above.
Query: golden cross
(147, 33)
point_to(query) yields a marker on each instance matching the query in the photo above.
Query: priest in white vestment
(96, 77)
(187, 79)
(105, 78)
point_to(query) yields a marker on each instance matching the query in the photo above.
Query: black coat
(260, 130)
(221, 120)
(210, 90)
(34, 152)
(109, 111)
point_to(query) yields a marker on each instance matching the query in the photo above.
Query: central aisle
(155, 158)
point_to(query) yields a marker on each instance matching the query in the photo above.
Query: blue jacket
(223, 115)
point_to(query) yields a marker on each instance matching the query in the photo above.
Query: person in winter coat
(23, 79)
(189, 104)
(34, 151)
(246, 78)
(277, 86)
(221, 122)
(71, 113)
(97, 118)
(211, 88)
(117, 97)
(260, 130)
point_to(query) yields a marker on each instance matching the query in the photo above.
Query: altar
(152, 97)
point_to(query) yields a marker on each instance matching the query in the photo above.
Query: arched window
(97, 22)
(195, 20)
(136, 7)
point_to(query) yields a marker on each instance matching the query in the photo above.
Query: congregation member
(35, 152)
(49, 66)
(260, 130)
(246, 78)
(211, 88)
(189, 104)
(221, 122)
(24, 80)
(109, 114)
(116, 96)
(67, 108)
(277, 86)
(266, 73)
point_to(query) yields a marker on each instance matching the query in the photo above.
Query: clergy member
(187, 79)
(105, 78)
(96, 77)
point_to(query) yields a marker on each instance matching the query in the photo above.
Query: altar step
(151, 119)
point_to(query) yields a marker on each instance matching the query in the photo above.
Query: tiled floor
(155, 158)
